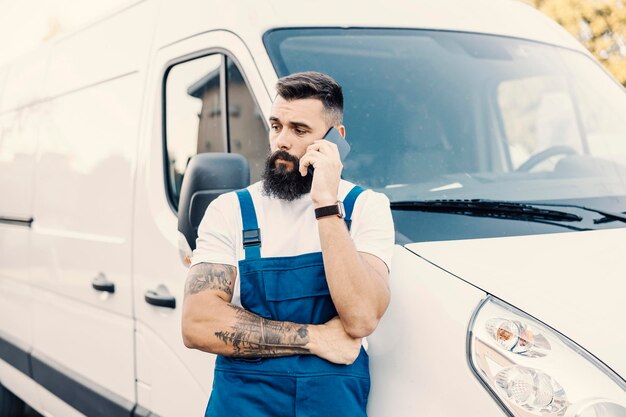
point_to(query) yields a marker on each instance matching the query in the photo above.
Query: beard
(282, 182)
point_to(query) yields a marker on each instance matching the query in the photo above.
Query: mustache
(284, 183)
(285, 156)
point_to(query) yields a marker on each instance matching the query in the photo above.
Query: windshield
(448, 115)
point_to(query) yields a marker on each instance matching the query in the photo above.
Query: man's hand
(331, 342)
(324, 157)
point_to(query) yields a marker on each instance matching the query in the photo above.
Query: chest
(287, 229)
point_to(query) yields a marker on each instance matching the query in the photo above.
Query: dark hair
(313, 84)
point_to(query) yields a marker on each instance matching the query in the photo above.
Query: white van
(499, 140)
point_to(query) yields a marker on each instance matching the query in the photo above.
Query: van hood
(573, 282)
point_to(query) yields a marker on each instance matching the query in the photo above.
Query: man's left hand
(324, 157)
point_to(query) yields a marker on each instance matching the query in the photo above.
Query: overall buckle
(251, 237)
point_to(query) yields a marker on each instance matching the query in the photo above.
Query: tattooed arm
(212, 324)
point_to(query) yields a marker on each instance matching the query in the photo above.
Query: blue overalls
(292, 289)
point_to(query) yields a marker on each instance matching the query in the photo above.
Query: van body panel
(102, 51)
(18, 141)
(418, 349)
(25, 80)
(505, 18)
(529, 272)
(78, 337)
(161, 370)
(16, 310)
(83, 207)
(82, 225)
(19, 131)
(21, 385)
(3, 77)
(55, 407)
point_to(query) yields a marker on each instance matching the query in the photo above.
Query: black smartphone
(343, 146)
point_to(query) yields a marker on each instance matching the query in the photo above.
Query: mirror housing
(208, 175)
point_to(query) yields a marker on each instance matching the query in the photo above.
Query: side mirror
(207, 176)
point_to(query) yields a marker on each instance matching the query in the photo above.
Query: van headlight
(534, 371)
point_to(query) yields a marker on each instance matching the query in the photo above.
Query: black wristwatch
(332, 210)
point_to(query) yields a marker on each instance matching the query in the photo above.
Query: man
(280, 288)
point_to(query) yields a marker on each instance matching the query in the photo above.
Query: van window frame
(225, 55)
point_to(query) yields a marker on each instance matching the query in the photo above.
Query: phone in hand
(343, 146)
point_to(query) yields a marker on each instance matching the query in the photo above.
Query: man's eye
(275, 127)
(300, 131)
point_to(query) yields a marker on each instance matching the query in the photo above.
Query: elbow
(195, 330)
(195, 337)
(190, 336)
(361, 327)
(197, 322)
(188, 342)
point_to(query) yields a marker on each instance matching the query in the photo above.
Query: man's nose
(283, 140)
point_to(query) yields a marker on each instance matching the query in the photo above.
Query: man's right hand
(331, 342)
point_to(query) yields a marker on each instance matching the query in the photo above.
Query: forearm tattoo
(207, 276)
(253, 336)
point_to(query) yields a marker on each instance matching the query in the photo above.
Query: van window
(538, 113)
(196, 93)
(442, 115)
(193, 115)
(247, 131)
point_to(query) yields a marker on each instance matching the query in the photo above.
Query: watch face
(342, 212)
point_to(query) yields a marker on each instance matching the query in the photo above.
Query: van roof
(250, 20)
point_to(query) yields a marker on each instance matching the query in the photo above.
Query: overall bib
(292, 289)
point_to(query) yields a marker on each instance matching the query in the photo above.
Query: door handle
(160, 298)
(101, 283)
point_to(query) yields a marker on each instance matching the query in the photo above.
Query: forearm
(210, 323)
(228, 330)
(359, 293)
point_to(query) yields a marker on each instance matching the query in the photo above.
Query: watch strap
(326, 211)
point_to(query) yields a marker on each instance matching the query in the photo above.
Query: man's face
(294, 125)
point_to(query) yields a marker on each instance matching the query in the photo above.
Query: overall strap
(251, 231)
(348, 203)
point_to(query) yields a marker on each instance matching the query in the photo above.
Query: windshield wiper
(487, 208)
(607, 216)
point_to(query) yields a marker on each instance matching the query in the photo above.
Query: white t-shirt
(289, 228)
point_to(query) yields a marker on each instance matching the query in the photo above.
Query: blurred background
(598, 24)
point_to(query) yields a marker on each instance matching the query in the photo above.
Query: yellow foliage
(600, 25)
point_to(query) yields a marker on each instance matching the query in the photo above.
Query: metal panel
(110, 48)
(418, 354)
(24, 80)
(90, 399)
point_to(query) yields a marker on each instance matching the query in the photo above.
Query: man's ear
(342, 130)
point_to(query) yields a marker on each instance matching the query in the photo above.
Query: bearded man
(284, 283)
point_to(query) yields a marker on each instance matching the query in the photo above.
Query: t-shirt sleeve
(215, 242)
(372, 227)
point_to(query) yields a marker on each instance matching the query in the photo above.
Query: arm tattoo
(206, 276)
(252, 336)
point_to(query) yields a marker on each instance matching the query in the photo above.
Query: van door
(206, 96)
(20, 115)
(83, 350)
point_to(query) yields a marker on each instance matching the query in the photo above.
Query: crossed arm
(358, 286)
(210, 323)
(358, 281)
